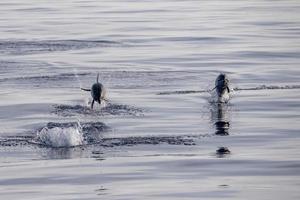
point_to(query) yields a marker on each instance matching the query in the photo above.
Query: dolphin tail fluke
(85, 89)
(98, 78)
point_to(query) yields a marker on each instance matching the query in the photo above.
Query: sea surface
(159, 135)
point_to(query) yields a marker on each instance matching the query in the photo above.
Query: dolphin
(222, 88)
(97, 91)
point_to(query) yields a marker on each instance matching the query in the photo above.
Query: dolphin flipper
(85, 89)
(213, 89)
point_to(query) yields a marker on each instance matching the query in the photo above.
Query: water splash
(61, 136)
(215, 98)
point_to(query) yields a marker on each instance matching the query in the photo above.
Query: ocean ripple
(36, 47)
(109, 109)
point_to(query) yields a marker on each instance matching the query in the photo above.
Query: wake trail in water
(110, 109)
(261, 87)
(270, 87)
(58, 137)
(183, 92)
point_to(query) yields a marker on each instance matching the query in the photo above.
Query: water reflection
(98, 155)
(222, 152)
(62, 153)
(101, 191)
(220, 118)
(71, 153)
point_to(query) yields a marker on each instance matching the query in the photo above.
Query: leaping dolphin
(222, 88)
(97, 91)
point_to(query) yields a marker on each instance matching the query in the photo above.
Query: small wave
(56, 80)
(183, 92)
(121, 109)
(151, 140)
(193, 39)
(268, 54)
(65, 136)
(69, 110)
(109, 109)
(33, 47)
(185, 39)
(11, 141)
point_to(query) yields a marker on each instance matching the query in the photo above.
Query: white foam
(216, 99)
(61, 137)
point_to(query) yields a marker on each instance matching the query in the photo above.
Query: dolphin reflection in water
(221, 119)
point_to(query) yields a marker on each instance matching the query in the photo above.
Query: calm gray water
(158, 136)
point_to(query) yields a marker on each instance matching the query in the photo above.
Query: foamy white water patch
(215, 98)
(61, 136)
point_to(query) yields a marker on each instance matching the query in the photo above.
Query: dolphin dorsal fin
(98, 78)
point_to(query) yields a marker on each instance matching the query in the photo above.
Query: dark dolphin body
(97, 92)
(221, 88)
(221, 85)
